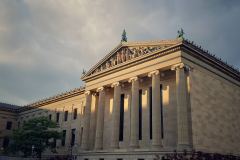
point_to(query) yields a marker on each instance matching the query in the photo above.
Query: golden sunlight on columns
(100, 119)
(134, 113)
(86, 121)
(156, 110)
(116, 116)
(182, 107)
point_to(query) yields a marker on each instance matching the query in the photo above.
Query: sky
(45, 44)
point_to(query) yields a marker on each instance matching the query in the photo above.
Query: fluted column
(116, 116)
(183, 124)
(100, 119)
(134, 129)
(156, 110)
(86, 121)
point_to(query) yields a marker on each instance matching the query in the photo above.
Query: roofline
(49, 100)
(189, 46)
(129, 44)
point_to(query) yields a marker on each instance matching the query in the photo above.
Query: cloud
(44, 45)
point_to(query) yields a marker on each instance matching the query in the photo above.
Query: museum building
(144, 99)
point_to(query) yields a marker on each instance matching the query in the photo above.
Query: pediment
(126, 52)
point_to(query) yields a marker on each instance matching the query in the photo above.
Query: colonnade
(183, 137)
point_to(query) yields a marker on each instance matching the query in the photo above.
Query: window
(65, 115)
(101, 158)
(75, 113)
(121, 126)
(54, 142)
(161, 106)
(63, 137)
(50, 117)
(150, 111)
(18, 124)
(5, 142)
(81, 134)
(140, 115)
(57, 117)
(73, 137)
(119, 159)
(9, 125)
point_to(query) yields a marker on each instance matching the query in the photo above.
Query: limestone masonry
(141, 100)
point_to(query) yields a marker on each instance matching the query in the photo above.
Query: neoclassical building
(145, 99)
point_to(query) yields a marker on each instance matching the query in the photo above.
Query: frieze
(125, 54)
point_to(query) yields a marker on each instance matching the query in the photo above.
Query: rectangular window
(73, 137)
(5, 142)
(161, 106)
(150, 112)
(65, 115)
(81, 134)
(121, 126)
(50, 117)
(75, 113)
(63, 137)
(18, 124)
(140, 114)
(101, 158)
(57, 117)
(54, 143)
(9, 125)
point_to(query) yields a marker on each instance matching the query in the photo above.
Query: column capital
(181, 66)
(132, 79)
(150, 74)
(100, 89)
(87, 93)
(115, 84)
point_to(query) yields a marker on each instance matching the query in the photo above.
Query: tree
(35, 136)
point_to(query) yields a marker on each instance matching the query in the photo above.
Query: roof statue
(83, 72)
(180, 34)
(124, 36)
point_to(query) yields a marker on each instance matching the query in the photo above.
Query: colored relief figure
(107, 64)
(123, 56)
(112, 61)
(134, 55)
(127, 52)
(118, 58)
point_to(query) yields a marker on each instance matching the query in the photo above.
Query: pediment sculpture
(125, 54)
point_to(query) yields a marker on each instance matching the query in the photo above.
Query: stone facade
(146, 99)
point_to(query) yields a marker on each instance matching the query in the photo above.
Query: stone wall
(215, 109)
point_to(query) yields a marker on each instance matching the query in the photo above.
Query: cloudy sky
(45, 44)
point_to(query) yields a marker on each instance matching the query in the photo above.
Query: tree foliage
(35, 136)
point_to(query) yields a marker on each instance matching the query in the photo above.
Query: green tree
(35, 136)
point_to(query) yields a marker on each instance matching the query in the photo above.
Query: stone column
(100, 119)
(156, 110)
(134, 124)
(183, 124)
(115, 116)
(86, 121)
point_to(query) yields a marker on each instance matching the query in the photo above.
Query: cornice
(159, 43)
(210, 59)
(183, 45)
(59, 97)
(134, 62)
